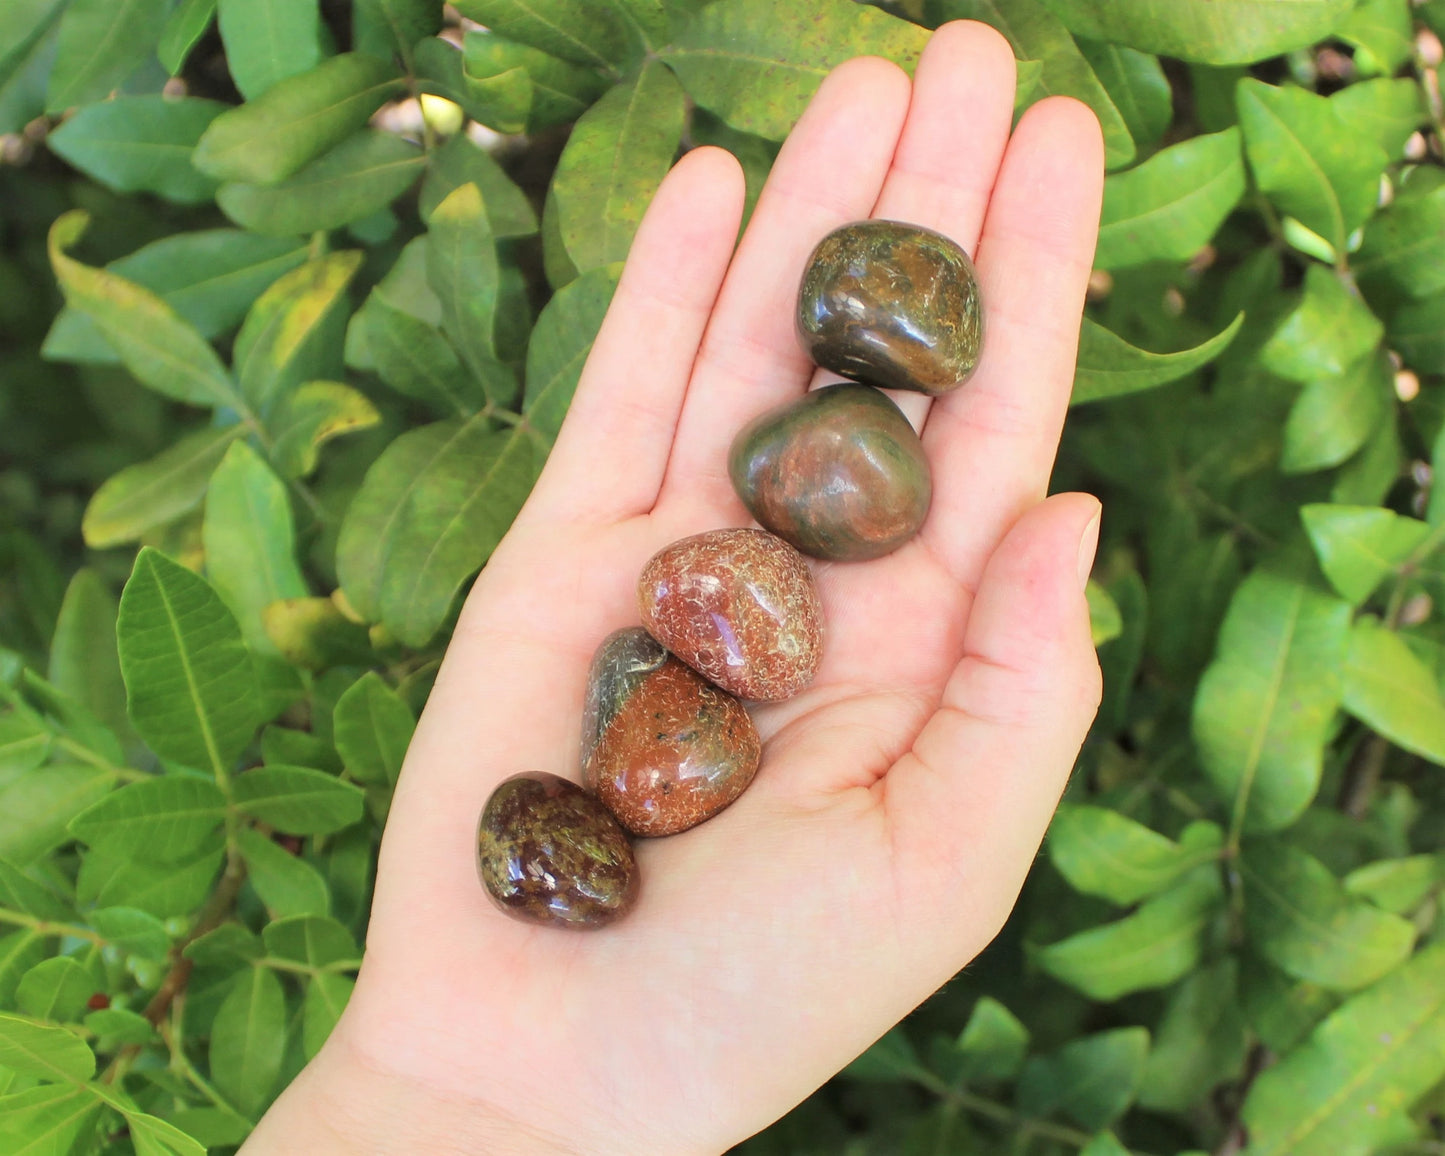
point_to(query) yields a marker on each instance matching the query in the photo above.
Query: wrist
(343, 1105)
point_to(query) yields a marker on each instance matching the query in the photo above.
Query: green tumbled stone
(549, 852)
(839, 473)
(892, 305)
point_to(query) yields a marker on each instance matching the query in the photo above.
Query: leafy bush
(1230, 943)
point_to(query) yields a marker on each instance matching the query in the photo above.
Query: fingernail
(1088, 546)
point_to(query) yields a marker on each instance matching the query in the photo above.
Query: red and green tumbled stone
(662, 747)
(839, 473)
(548, 852)
(740, 608)
(892, 305)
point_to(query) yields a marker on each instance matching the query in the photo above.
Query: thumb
(970, 803)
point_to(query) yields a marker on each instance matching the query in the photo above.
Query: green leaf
(1171, 206)
(429, 512)
(1092, 1079)
(1398, 886)
(1385, 32)
(1334, 416)
(313, 634)
(250, 541)
(84, 663)
(248, 1041)
(756, 64)
(1405, 245)
(1136, 85)
(43, 1050)
(36, 806)
(397, 24)
(1104, 1144)
(115, 875)
(372, 728)
(891, 1058)
(1344, 1091)
(311, 416)
(1388, 110)
(132, 931)
(298, 800)
(161, 818)
(462, 269)
(24, 743)
(24, 24)
(325, 1000)
(191, 686)
(267, 140)
(459, 162)
(1154, 947)
(1101, 852)
(290, 333)
(101, 43)
(310, 940)
(140, 144)
(1326, 334)
(560, 344)
(209, 278)
(1220, 32)
(1393, 692)
(287, 885)
(1266, 702)
(18, 892)
(1359, 546)
(228, 943)
(1302, 921)
(417, 361)
(614, 162)
(184, 28)
(49, 1120)
(157, 346)
(1417, 333)
(991, 1047)
(1037, 34)
(1200, 1041)
(584, 33)
(269, 40)
(1308, 160)
(155, 1137)
(56, 990)
(361, 175)
(1109, 366)
(516, 88)
(150, 494)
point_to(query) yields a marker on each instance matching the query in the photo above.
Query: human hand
(901, 798)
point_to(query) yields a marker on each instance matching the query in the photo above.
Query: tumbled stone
(740, 608)
(661, 746)
(892, 305)
(838, 472)
(549, 852)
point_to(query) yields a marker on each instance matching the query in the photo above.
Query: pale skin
(902, 797)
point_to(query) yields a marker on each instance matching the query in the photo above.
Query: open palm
(901, 798)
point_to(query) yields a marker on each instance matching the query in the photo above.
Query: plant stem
(48, 927)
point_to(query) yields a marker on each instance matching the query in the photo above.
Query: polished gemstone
(549, 852)
(892, 305)
(661, 746)
(740, 608)
(839, 473)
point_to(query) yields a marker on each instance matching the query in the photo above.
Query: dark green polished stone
(892, 305)
(839, 473)
(549, 852)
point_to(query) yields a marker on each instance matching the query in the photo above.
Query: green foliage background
(282, 357)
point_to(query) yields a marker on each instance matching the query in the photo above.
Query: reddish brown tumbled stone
(739, 607)
(549, 852)
(662, 747)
